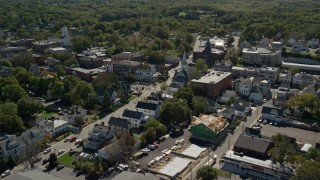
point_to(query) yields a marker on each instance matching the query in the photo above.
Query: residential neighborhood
(168, 90)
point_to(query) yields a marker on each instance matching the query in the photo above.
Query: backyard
(46, 114)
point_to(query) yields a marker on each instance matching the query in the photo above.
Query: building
(226, 96)
(214, 83)
(5, 71)
(65, 37)
(274, 114)
(8, 52)
(110, 152)
(120, 125)
(90, 62)
(181, 74)
(155, 98)
(208, 127)
(95, 51)
(241, 108)
(313, 43)
(146, 74)
(209, 50)
(124, 175)
(150, 109)
(32, 136)
(128, 56)
(125, 67)
(41, 46)
(55, 127)
(261, 56)
(73, 113)
(56, 50)
(135, 118)
(249, 167)
(222, 66)
(245, 86)
(253, 147)
(269, 73)
(99, 136)
(304, 79)
(228, 112)
(11, 145)
(84, 74)
(276, 45)
(102, 92)
(285, 77)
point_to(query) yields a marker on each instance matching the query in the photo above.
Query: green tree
(307, 170)
(184, 93)
(198, 89)
(232, 56)
(175, 111)
(230, 40)
(57, 89)
(207, 173)
(60, 70)
(12, 123)
(106, 80)
(6, 63)
(201, 65)
(165, 45)
(158, 126)
(80, 43)
(150, 135)
(27, 107)
(9, 108)
(163, 86)
(22, 60)
(189, 38)
(53, 159)
(106, 100)
(13, 92)
(200, 105)
(294, 70)
(283, 149)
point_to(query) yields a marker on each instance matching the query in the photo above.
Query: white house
(304, 79)
(241, 108)
(285, 77)
(227, 112)
(55, 127)
(149, 109)
(110, 152)
(11, 145)
(135, 118)
(245, 87)
(273, 114)
(32, 136)
(146, 74)
(74, 112)
(99, 136)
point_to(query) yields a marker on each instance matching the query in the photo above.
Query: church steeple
(184, 63)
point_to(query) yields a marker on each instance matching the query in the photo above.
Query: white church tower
(65, 38)
(184, 63)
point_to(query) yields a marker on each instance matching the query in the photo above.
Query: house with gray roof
(99, 136)
(120, 125)
(273, 114)
(11, 145)
(149, 109)
(241, 108)
(54, 127)
(33, 136)
(135, 118)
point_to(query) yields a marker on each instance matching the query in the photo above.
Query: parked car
(46, 151)
(275, 123)
(61, 151)
(66, 140)
(271, 123)
(78, 141)
(45, 161)
(264, 100)
(156, 144)
(72, 152)
(265, 121)
(145, 150)
(78, 173)
(110, 170)
(59, 167)
(37, 159)
(73, 139)
(151, 147)
(6, 173)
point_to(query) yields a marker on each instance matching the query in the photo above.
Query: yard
(46, 114)
(223, 173)
(66, 160)
(132, 97)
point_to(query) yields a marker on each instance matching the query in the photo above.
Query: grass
(223, 173)
(136, 136)
(93, 117)
(66, 160)
(46, 114)
(132, 98)
(59, 138)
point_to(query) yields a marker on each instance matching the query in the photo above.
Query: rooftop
(127, 62)
(253, 143)
(126, 175)
(118, 122)
(213, 121)
(193, 151)
(127, 55)
(272, 110)
(212, 78)
(88, 71)
(174, 167)
(146, 105)
(132, 114)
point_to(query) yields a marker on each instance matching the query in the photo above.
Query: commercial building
(268, 73)
(129, 56)
(208, 127)
(90, 62)
(214, 83)
(211, 50)
(261, 56)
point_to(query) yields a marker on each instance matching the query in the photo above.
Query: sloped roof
(253, 144)
(272, 110)
(132, 114)
(146, 105)
(118, 122)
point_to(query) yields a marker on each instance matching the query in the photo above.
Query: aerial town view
(160, 89)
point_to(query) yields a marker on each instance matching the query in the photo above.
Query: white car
(47, 150)
(145, 150)
(61, 151)
(264, 100)
(78, 141)
(6, 173)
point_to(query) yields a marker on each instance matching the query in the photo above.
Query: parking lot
(302, 136)
(167, 144)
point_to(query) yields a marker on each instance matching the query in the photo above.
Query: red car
(73, 139)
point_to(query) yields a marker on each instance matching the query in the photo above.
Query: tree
(207, 173)
(201, 65)
(13, 92)
(294, 70)
(307, 170)
(198, 89)
(175, 111)
(283, 149)
(27, 107)
(80, 43)
(232, 56)
(150, 135)
(200, 105)
(12, 123)
(163, 86)
(9, 108)
(189, 38)
(57, 89)
(307, 101)
(22, 60)
(53, 159)
(31, 154)
(106, 80)
(184, 93)
(165, 45)
(230, 40)
(158, 126)
(60, 70)
(79, 121)
(6, 63)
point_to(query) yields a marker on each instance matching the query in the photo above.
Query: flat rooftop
(88, 71)
(174, 167)
(193, 151)
(31, 175)
(311, 67)
(212, 78)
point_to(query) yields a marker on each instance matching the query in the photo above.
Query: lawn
(223, 173)
(46, 114)
(132, 98)
(136, 136)
(66, 160)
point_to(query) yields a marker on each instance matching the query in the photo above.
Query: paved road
(228, 142)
